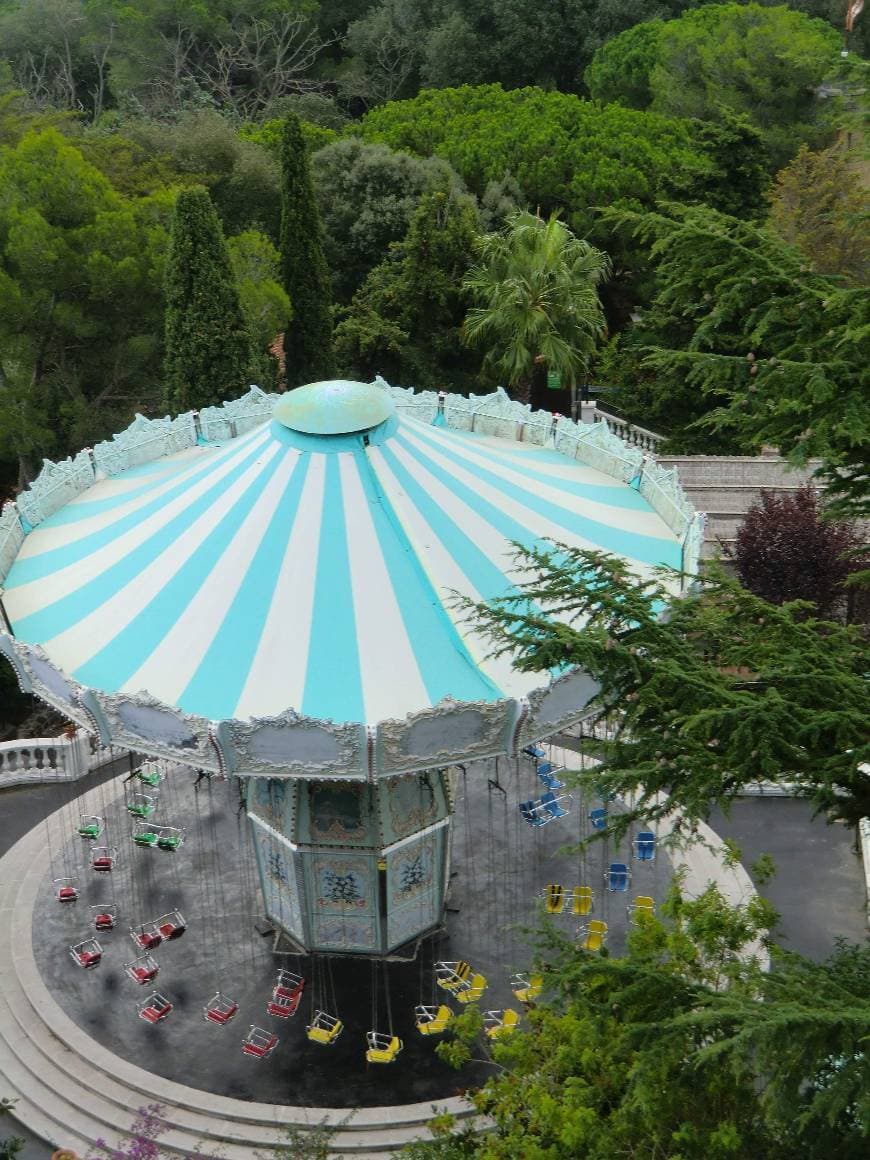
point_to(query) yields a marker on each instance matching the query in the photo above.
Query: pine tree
(308, 336)
(208, 349)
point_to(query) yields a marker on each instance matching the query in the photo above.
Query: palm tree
(536, 301)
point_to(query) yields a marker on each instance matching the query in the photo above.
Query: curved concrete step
(73, 1092)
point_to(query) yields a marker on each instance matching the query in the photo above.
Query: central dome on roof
(334, 407)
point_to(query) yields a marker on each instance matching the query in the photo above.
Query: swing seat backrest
(431, 1020)
(473, 990)
(582, 902)
(551, 804)
(382, 1048)
(596, 933)
(618, 878)
(598, 818)
(645, 846)
(554, 898)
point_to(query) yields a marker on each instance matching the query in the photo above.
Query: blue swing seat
(551, 803)
(645, 846)
(533, 813)
(533, 751)
(617, 878)
(598, 818)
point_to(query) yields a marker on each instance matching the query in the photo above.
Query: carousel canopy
(311, 563)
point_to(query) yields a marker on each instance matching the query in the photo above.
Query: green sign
(554, 381)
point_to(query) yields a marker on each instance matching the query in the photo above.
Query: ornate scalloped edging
(422, 740)
(144, 441)
(143, 723)
(236, 416)
(56, 484)
(11, 537)
(263, 747)
(110, 1086)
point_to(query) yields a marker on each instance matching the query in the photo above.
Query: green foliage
(268, 134)
(405, 320)
(265, 305)
(770, 352)
(763, 62)
(535, 289)
(367, 195)
(620, 70)
(713, 691)
(563, 152)
(682, 1048)
(308, 351)
(202, 147)
(12, 1145)
(80, 301)
(819, 204)
(208, 348)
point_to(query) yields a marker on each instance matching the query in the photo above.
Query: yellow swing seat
(472, 990)
(498, 1024)
(324, 1029)
(452, 976)
(432, 1020)
(582, 902)
(595, 935)
(526, 989)
(382, 1048)
(554, 898)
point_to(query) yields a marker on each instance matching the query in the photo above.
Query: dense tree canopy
(563, 152)
(681, 1048)
(80, 299)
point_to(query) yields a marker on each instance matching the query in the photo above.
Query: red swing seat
(172, 925)
(154, 1009)
(220, 1010)
(259, 1043)
(104, 921)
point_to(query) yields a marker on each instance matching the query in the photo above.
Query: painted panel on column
(343, 891)
(338, 814)
(271, 800)
(278, 880)
(409, 804)
(414, 875)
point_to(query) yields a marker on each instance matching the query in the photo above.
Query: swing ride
(265, 583)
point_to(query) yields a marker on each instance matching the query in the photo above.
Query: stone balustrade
(43, 759)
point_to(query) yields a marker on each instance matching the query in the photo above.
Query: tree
(405, 321)
(819, 204)
(80, 300)
(763, 62)
(535, 286)
(367, 195)
(565, 154)
(308, 353)
(265, 305)
(764, 350)
(786, 551)
(712, 691)
(621, 69)
(208, 348)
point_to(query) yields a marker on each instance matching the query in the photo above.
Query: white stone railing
(237, 416)
(44, 759)
(630, 433)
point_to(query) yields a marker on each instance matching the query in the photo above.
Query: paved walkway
(818, 887)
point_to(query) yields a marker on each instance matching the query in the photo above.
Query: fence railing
(44, 759)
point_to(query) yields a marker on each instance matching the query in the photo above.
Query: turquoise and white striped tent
(310, 563)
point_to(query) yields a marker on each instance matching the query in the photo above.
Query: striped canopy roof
(315, 572)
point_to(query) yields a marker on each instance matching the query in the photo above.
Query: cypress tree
(308, 337)
(208, 349)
